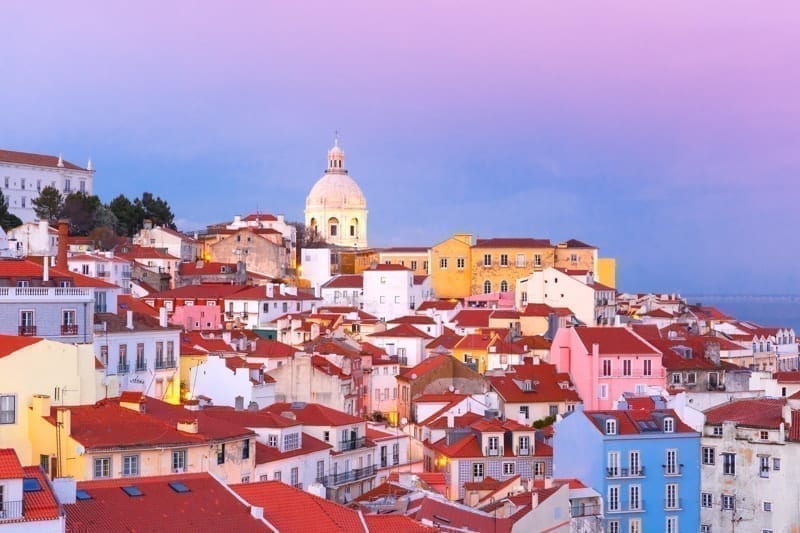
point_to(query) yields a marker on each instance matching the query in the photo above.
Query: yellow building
(414, 258)
(575, 255)
(607, 271)
(498, 263)
(134, 436)
(31, 366)
(450, 267)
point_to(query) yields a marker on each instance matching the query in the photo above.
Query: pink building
(604, 362)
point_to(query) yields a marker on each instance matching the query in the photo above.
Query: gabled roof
(292, 510)
(345, 281)
(206, 506)
(473, 318)
(764, 413)
(314, 414)
(40, 504)
(545, 384)
(10, 467)
(403, 330)
(513, 242)
(271, 348)
(575, 243)
(614, 341)
(10, 344)
(133, 251)
(425, 366)
(38, 160)
(447, 340)
(440, 305)
(413, 319)
(309, 444)
(637, 421)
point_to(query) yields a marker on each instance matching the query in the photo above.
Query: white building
(405, 342)
(344, 289)
(392, 291)
(336, 209)
(593, 303)
(231, 381)
(33, 238)
(24, 175)
(261, 305)
(173, 242)
(315, 266)
(105, 266)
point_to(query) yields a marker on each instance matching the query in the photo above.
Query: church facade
(336, 210)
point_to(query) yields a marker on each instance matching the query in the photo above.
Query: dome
(335, 191)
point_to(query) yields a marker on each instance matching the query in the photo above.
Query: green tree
(129, 216)
(49, 204)
(157, 210)
(81, 210)
(7, 219)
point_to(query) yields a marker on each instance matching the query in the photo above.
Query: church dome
(336, 189)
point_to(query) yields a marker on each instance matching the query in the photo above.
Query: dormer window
(611, 426)
(527, 386)
(669, 425)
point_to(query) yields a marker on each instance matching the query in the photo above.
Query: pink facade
(197, 317)
(606, 362)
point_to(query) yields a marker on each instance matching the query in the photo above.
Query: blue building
(645, 463)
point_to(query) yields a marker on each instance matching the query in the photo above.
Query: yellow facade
(607, 272)
(187, 362)
(65, 371)
(480, 356)
(414, 259)
(498, 268)
(450, 267)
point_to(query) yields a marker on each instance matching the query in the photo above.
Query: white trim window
(8, 408)
(613, 498)
(102, 467)
(130, 465)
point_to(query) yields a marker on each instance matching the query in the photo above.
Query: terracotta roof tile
(345, 281)
(10, 344)
(545, 384)
(614, 341)
(754, 412)
(40, 504)
(314, 414)
(39, 160)
(438, 305)
(403, 330)
(473, 318)
(267, 454)
(10, 467)
(513, 242)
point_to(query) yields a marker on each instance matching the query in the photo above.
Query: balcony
(614, 472)
(69, 330)
(401, 360)
(352, 444)
(29, 294)
(348, 477)
(103, 273)
(673, 470)
(141, 366)
(583, 509)
(123, 368)
(493, 452)
(27, 331)
(523, 451)
(11, 510)
(673, 504)
(161, 364)
(626, 507)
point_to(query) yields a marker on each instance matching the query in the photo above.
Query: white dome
(336, 191)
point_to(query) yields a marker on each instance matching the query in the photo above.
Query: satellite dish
(80, 450)
(403, 421)
(451, 388)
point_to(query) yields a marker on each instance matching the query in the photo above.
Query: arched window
(504, 286)
(487, 287)
(333, 227)
(354, 228)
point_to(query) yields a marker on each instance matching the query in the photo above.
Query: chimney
(129, 321)
(239, 402)
(162, 317)
(187, 426)
(41, 405)
(63, 235)
(46, 269)
(534, 499)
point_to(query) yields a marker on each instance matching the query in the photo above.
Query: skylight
(178, 486)
(31, 484)
(82, 494)
(132, 491)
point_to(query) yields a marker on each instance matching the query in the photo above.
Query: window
(611, 427)
(671, 466)
(26, 318)
(647, 369)
(413, 265)
(276, 475)
(767, 506)
(706, 499)
(504, 260)
(477, 471)
(626, 367)
(272, 440)
(603, 392)
(320, 469)
(671, 496)
(460, 263)
(508, 469)
(334, 230)
(538, 469)
(425, 266)
(102, 467)
(671, 524)
(524, 411)
(291, 441)
(537, 260)
(669, 425)
(717, 431)
(246, 449)
(487, 287)
(494, 446)
(487, 259)
(524, 445)
(221, 453)
(708, 455)
(635, 525)
(443, 262)
(573, 258)
(141, 364)
(44, 462)
(613, 498)
(728, 502)
(705, 528)
(130, 465)
(634, 497)
(613, 464)
(179, 461)
(504, 286)
(776, 463)
(763, 465)
(763, 435)
(294, 476)
(676, 379)
(729, 464)
(606, 367)
(8, 409)
(552, 410)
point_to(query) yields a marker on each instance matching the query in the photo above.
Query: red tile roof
(267, 454)
(250, 419)
(513, 242)
(753, 412)
(39, 160)
(403, 330)
(544, 310)
(204, 291)
(40, 504)
(448, 340)
(413, 319)
(10, 344)
(387, 268)
(10, 467)
(614, 341)
(345, 281)
(129, 251)
(314, 414)
(545, 380)
(207, 506)
(646, 331)
(439, 305)
(792, 376)
(271, 348)
(389, 523)
(205, 268)
(424, 367)
(405, 250)
(460, 518)
(473, 318)
(575, 243)
(292, 510)
(636, 421)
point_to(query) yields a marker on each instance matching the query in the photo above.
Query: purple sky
(666, 133)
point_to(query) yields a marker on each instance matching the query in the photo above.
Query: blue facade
(646, 475)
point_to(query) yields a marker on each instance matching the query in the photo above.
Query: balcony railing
(625, 506)
(162, 363)
(673, 504)
(401, 360)
(348, 477)
(352, 444)
(27, 331)
(579, 510)
(68, 330)
(625, 472)
(673, 470)
(11, 510)
(395, 459)
(491, 452)
(123, 368)
(103, 273)
(141, 367)
(44, 292)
